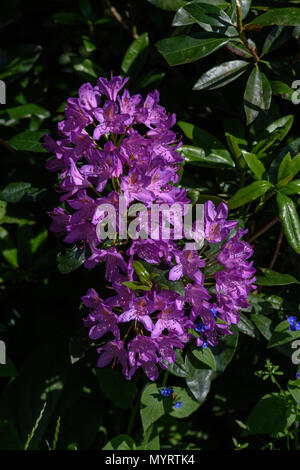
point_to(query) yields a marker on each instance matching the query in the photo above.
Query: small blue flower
(204, 345)
(178, 404)
(167, 392)
(295, 326)
(200, 327)
(298, 374)
(292, 320)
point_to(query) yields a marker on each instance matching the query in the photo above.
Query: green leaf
(177, 368)
(290, 220)
(120, 442)
(14, 192)
(87, 68)
(205, 356)
(18, 60)
(285, 168)
(249, 193)
(294, 389)
(235, 150)
(28, 140)
(135, 55)
(141, 271)
(153, 441)
(263, 324)
(270, 415)
(237, 48)
(221, 75)
(68, 18)
(258, 94)
(273, 135)
(282, 335)
(111, 382)
(184, 49)
(153, 405)
(255, 165)
(225, 351)
(159, 277)
(71, 259)
(28, 110)
(206, 140)
(188, 403)
(197, 156)
(273, 278)
(279, 16)
(245, 8)
(9, 438)
(271, 38)
(246, 326)
(37, 241)
(291, 188)
(282, 89)
(206, 14)
(7, 248)
(198, 380)
(135, 285)
(171, 5)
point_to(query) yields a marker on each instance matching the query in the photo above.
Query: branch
(7, 145)
(120, 20)
(264, 229)
(277, 249)
(240, 28)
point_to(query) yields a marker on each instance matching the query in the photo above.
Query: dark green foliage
(229, 73)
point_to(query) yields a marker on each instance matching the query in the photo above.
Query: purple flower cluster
(113, 144)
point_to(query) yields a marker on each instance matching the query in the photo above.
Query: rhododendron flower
(116, 147)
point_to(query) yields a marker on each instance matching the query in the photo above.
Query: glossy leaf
(134, 53)
(282, 89)
(282, 335)
(184, 49)
(71, 259)
(205, 356)
(246, 326)
(221, 75)
(289, 220)
(273, 278)
(249, 193)
(263, 324)
(271, 38)
(255, 165)
(245, 8)
(29, 141)
(258, 94)
(279, 16)
(198, 380)
(208, 14)
(14, 192)
(197, 156)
